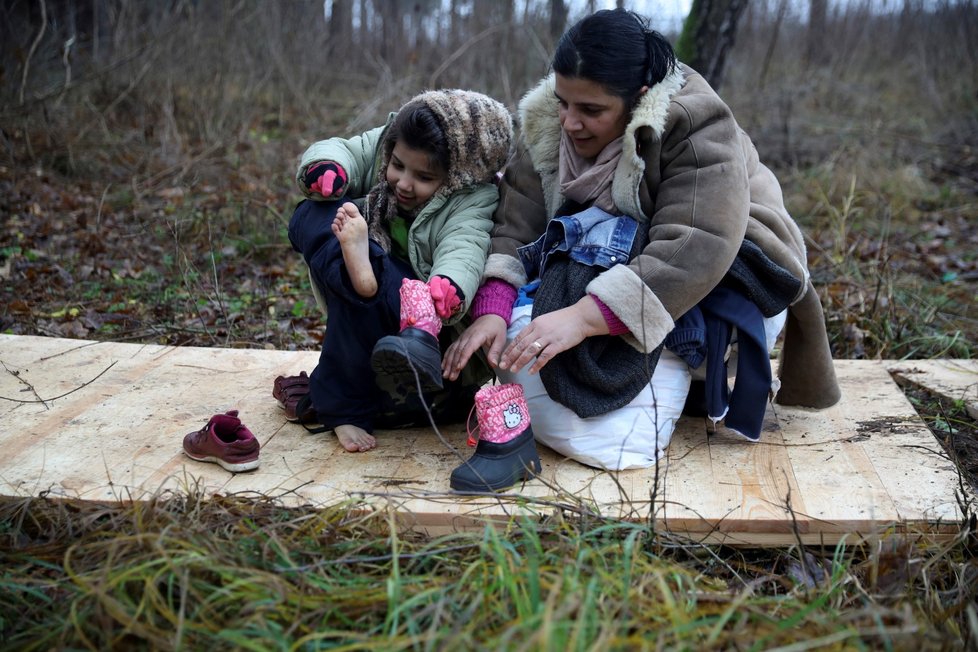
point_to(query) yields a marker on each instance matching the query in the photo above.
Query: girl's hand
(550, 334)
(327, 178)
(487, 330)
(444, 296)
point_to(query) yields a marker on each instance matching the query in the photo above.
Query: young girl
(395, 231)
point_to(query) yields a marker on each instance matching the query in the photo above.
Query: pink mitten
(444, 296)
(326, 178)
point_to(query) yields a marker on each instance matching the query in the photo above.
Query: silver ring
(537, 345)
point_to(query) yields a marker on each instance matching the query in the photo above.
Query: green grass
(181, 572)
(886, 260)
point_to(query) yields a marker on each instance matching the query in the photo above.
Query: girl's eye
(397, 164)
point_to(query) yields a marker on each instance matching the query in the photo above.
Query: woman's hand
(550, 334)
(487, 330)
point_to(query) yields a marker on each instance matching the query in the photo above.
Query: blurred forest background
(147, 150)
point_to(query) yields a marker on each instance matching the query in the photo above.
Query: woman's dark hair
(617, 49)
(418, 127)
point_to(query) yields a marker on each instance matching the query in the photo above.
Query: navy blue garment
(703, 334)
(342, 387)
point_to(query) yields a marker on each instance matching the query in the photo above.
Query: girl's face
(590, 116)
(412, 176)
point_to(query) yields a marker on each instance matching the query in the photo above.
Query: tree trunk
(707, 36)
(340, 25)
(364, 25)
(558, 19)
(815, 51)
(391, 33)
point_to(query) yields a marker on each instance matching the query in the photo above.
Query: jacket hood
(479, 131)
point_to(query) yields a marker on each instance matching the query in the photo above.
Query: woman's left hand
(547, 335)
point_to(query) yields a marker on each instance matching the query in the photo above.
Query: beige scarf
(589, 182)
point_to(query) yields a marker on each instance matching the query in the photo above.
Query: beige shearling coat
(693, 176)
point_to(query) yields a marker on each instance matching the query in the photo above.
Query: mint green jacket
(450, 235)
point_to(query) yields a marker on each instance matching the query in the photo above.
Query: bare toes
(353, 439)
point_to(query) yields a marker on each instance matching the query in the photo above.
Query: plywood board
(105, 421)
(956, 380)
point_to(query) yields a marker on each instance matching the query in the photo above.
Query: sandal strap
(304, 404)
(294, 381)
(285, 384)
(293, 394)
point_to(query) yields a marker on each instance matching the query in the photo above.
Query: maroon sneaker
(226, 441)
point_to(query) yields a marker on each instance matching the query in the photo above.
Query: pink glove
(326, 178)
(444, 296)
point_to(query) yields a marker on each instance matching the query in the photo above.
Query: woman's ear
(642, 91)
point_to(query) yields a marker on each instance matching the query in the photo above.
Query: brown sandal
(289, 392)
(287, 387)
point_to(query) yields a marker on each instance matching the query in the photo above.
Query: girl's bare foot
(354, 439)
(350, 229)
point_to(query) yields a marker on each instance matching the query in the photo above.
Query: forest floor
(206, 266)
(128, 218)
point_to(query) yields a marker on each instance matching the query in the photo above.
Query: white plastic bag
(627, 438)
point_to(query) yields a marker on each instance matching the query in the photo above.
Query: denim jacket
(592, 237)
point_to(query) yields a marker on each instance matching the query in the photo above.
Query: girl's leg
(342, 386)
(633, 436)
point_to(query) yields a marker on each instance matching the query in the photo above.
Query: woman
(636, 231)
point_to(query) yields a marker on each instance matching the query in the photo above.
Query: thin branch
(432, 81)
(54, 398)
(16, 374)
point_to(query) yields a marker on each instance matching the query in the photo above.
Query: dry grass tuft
(179, 571)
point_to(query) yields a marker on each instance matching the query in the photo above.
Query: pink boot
(506, 452)
(401, 361)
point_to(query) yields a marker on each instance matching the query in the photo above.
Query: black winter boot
(506, 452)
(396, 359)
(498, 466)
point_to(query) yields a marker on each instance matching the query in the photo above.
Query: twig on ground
(54, 398)
(16, 374)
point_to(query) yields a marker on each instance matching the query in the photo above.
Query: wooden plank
(869, 459)
(956, 380)
(115, 433)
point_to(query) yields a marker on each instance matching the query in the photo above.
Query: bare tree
(340, 24)
(558, 19)
(773, 43)
(392, 30)
(815, 51)
(364, 22)
(707, 36)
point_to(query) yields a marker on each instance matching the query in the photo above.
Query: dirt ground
(90, 261)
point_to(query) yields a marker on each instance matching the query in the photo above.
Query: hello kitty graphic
(512, 416)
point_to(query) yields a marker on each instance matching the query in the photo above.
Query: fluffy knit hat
(479, 131)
